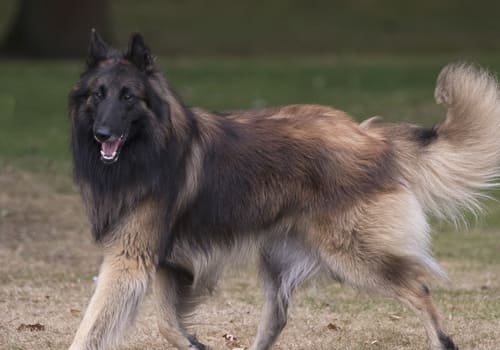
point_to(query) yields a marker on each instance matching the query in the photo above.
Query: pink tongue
(108, 148)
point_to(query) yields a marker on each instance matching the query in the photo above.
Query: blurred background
(58, 28)
(367, 57)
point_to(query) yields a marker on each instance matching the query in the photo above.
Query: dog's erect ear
(98, 49)
(139, 54)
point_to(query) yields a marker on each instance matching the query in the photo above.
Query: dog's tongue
(109, 149)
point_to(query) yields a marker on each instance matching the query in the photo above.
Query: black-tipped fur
(98, 49)
(139, 54)
(305, 187)
(446, 341)
(148, 157)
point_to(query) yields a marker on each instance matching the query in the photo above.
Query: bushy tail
(464, 159)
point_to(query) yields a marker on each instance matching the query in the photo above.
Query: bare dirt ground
(47, 265)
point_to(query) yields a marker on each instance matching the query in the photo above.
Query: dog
(174, 193)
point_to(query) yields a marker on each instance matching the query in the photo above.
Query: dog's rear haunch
(174, 193)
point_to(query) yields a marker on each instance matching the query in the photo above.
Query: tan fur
(453, 171)
(363, 220)
(129, 264)
(193, 171)
(370, 121)
(166, 298)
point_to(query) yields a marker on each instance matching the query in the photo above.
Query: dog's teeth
(108, 157)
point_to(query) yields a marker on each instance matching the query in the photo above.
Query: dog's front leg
(121, 286)
(176, 300)
(130, 262)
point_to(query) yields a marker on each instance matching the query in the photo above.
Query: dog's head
(116, 102)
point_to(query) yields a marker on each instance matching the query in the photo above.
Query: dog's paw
(446, 342)
(195, 344)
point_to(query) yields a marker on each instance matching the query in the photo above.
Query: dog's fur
(302, 186)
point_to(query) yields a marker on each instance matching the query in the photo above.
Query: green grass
(33, 110)
(34, 126)
(33, 95)
(41, 223)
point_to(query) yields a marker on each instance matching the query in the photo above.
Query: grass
(34, 127)
(47, 262)
(47, 259)
(33, 95)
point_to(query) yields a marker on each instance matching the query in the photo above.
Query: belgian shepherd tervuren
(173, 193)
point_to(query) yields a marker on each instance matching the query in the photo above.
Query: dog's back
(175, 193)
(362, 215)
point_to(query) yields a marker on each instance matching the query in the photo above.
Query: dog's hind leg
(417, 297)
(385, 250)
(401, 277)
(274, 313)
(284, 264)
(175, 298)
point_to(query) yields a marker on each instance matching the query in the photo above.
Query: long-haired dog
(172, 193)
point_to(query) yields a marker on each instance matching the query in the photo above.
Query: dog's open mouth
(110, 150)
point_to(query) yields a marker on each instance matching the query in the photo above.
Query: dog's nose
(102, 133)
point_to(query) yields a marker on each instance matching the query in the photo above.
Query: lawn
(47, 260)
(34, 123)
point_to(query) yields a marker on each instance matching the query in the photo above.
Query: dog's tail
(463, 159)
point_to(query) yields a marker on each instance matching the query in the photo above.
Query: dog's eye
(127, 97)
(98, 94)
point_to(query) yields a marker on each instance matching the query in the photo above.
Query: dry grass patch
(47, 264)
